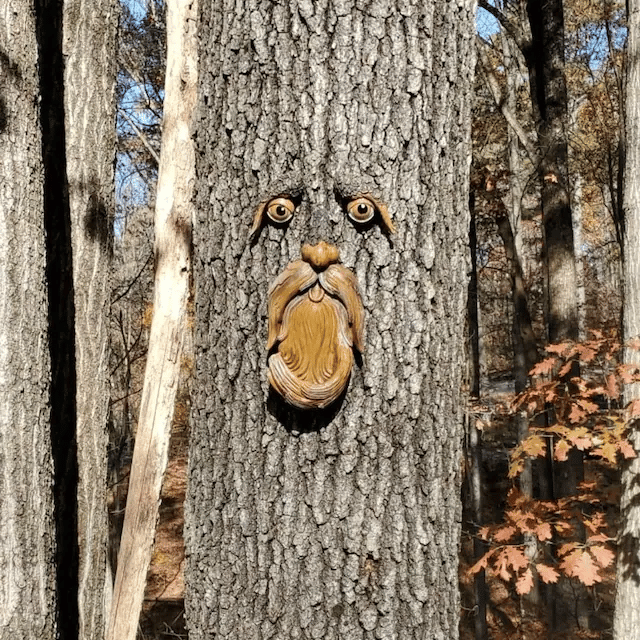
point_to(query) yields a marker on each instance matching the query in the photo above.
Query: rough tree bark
(27, 529)
(626, 620)
(89, 46)
(545, 59)
(342, 523)
(176, 180)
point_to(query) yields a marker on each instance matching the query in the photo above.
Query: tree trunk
(176, 180)
(627, 611)
(545, 59)
(27, 529)
(89, 48)
(342, 522)
(475, 481)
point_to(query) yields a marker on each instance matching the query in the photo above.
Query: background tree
(90, 137)
(342, 523)
(27, 527)
(169, 325)
(628, 575)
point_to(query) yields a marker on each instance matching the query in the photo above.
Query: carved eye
(280, 210)
(361, 210)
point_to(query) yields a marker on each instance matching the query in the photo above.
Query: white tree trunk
(173, 267)
(626, 623)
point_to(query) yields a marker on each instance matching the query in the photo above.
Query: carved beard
(315, 322)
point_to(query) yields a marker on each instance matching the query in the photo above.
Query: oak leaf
(587, 405)
(577, 414)
(561, 449)
(524, 584)
(626, 449)
(504, 534)
(607, 451)
(579, 564)
(612, 387)
(565, 368)
(604, 557)
(598, 537)
(547, 574)
(516, 558)
(634, 408)
(534, 446)
(558, 348)
(567, 547)
(544, 366)
(543, 531)
(580, 438)
(481, 564)
(587, 354)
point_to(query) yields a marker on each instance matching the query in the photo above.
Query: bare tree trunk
(342, 522)
(176, 181)
(627, 611)
(27, 529)
(89, 49)
(549, 97)
(474, 438)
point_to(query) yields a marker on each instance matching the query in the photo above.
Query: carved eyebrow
(380, 206)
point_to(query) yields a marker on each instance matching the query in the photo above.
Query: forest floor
(509, 616)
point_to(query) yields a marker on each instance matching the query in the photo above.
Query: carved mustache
(316, 319)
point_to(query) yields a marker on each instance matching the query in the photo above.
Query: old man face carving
(315, 321)
(315, 313)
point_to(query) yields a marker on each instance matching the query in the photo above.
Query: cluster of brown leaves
(567, 536)
(559, 522)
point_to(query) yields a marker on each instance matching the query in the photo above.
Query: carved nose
(321, 255)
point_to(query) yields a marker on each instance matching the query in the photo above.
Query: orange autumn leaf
(561, 449)
(558, 348)
(547, 574)
(565, 368)
(534, 446)
(516, 558)
(608, 451)
(587, 354)
(543, 531)
(580, 438)
(504, 534)
(579, 564)
(604, 557)
(626, 449)
(524, 584)
(612, 386)
(587, 405)
(481, 564)
(543, 367)
(566, 548)
(577, 414)
(634, 408)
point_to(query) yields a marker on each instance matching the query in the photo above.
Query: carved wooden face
(315, 314)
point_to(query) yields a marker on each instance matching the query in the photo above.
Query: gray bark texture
(626, 622)
(27, 530)
(89, 48)
(342, 523)
(545, 59)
